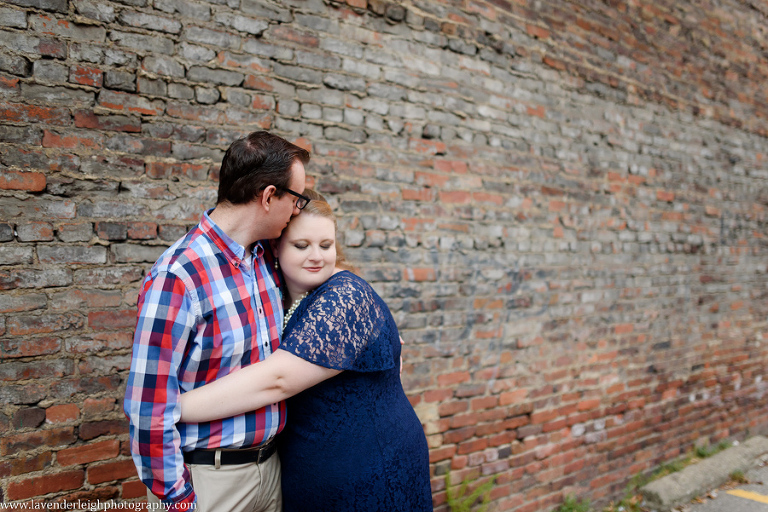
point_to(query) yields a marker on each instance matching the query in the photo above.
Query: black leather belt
(229, 457)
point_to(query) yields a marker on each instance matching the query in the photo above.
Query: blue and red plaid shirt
(204, 311)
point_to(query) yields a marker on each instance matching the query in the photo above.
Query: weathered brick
(29, 347)
(130, 103)
(72, 255)
(22, 325)
(86, 119)
(94, 429)
(56, 94)
(33, 113)
(148, 43)
(55, 437)
(21, 465)
(17, 255)
(31, 417)
(150, 22)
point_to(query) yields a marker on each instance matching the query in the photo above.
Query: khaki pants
(236, 488)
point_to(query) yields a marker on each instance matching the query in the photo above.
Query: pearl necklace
(293, 307)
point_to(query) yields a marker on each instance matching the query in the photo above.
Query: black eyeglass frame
(300, 197)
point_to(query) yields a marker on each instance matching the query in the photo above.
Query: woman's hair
(320, 207)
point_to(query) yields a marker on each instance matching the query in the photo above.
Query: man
(210, 305)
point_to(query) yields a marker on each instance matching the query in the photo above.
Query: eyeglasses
(301, 201)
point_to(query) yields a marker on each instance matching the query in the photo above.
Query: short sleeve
(343, 325)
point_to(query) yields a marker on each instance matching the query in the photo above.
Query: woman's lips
(313, 269)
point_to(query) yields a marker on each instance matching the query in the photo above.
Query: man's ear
(267, 195)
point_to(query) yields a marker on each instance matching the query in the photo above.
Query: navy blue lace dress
(352, 442)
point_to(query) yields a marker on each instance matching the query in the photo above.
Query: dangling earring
(277, 264)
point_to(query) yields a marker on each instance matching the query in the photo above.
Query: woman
(352, 441)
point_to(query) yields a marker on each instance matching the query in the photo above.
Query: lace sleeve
(343, 325)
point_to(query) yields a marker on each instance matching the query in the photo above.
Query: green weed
(460, 501)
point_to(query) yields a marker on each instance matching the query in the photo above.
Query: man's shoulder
(186, 253)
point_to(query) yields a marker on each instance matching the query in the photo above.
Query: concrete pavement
(703, 480)
(749, 497)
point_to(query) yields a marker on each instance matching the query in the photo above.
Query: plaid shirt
(203, 312)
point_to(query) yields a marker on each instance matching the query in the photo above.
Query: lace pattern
(336, 326)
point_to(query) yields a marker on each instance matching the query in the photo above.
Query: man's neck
(238, 222)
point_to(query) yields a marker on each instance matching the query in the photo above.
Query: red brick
(62, 413)
(486, 198)
(543, 416)
(133, 489)
(446, 452)
(486, 402)
(46, 484)
(449, 379)
(473, 446)
(420, 274)
(554, 62)
(538, 111)
(447, 166)
(18, 180)
(511, 397)
(586, 405)
(464, 420)
(112, 319)
(456, 196)
(459, 435)
(101, 450)
(94, 429)
(423, 194)
(97, 406)
(142, 230)
(451, 408)
(431, 179)
(536, 31)
(111, 471)
(437, 395)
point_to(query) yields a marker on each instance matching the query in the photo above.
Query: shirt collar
(234, 252)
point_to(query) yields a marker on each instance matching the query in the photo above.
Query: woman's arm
(278, 377)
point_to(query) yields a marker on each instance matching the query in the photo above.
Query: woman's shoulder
(347, 283)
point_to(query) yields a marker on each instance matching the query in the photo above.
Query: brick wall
(563, 203)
